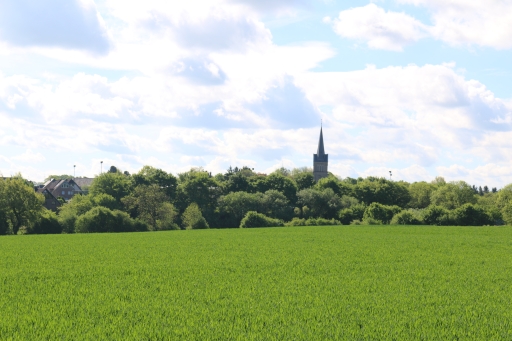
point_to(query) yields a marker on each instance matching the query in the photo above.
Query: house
(84, 183)
(50, 201)
(65, 188)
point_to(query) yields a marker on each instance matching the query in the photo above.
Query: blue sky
(419, 87)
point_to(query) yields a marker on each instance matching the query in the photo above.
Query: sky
(421, 88)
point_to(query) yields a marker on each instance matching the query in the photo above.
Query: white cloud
(73, 24)
(30, 157)
(462, 22)
(378, 28)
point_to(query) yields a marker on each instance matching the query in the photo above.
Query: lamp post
(101, 171)
(390, 174)
(74, 171)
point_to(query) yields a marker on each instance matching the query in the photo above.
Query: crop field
(300, 283)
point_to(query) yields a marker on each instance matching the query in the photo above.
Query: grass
(299, 283)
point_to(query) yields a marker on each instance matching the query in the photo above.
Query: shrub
(312, 222)
(355, 212)
(296, 222)
(471, 215)
(101, 219)
(436, 215)
(371, 221)
(406, 217)
(193, 218)
(377, 211)
(321, 222)
(46, 224)
(255, 219)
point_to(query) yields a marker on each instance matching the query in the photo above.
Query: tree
(324, 204)
(116, 184)
(304, 180)
(199, 188)
(23, 205)
(339, 187)
(383, 191)
(420, 193)
(58, 177)
(153, 176)
(453, 195)
(193, 218)
(234, 206)
(282, 184)
(148, 202)
(276, 205)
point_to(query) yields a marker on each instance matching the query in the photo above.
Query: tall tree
(23, 204)
(117, 185)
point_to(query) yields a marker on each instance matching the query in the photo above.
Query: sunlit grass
(300, 283)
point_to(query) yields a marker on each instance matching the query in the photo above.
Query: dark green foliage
(234, 206)
(340, 188)
(255, 219)
(46, 224)
(153, 176)
(324, 204)
(381, 212)
(355, 212)
(101, 219)
(282, 184)
(117, 185)
(382, 191)
(304, 180)
(471, 215)
(436, 215)
(4, 223)
(21, 204)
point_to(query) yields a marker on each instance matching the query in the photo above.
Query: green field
(301, 283)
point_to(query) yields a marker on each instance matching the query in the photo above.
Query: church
(320, 160)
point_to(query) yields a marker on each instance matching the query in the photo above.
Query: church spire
(321, 151)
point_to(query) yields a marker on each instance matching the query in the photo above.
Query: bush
(255, 219)
(101, 219)
(312, 222)
(322, 222)
(376, 211)
(296, 222)
(436, 215)
(193, 218)
(46, 224)
(371, 221)
(471, 215)
(355, 212)
(406, 217)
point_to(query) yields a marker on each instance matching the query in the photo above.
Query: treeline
(153, 199)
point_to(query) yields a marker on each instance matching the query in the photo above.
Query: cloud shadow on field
(54, 23)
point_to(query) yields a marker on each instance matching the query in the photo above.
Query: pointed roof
(321, 151)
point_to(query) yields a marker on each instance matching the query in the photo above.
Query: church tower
(320, 160)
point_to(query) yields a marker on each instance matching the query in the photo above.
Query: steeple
(321, 151)
(320, 159)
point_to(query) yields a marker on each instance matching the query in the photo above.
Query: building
(84, 183)
(50, 201)
(320, 160)
(65, 188)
